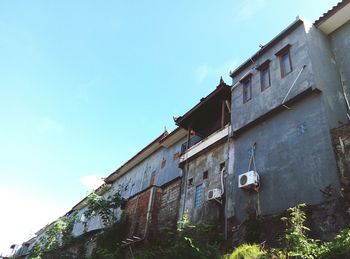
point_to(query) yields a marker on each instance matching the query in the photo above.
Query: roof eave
(267, 47)
(219, 89)
(136, 159)
(334, 18)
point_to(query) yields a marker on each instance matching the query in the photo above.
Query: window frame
(244, 81)
(264, 66)
(285, 50)
(196, 204)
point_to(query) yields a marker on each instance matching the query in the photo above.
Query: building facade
(275, 119)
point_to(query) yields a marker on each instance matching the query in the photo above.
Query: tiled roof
(330, 12)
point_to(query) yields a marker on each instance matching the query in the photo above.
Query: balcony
(205, 143)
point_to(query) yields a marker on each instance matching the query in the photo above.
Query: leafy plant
(296, 241)
(106, 242)
(339, 248)
(189, 241)
(103, 206)
(35, 252)
(246, 251)
(57, 235)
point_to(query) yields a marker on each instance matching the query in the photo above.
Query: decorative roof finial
(222, 81)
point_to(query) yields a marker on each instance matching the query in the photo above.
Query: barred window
(199, 196)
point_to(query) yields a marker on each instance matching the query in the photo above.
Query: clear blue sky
(84, 85)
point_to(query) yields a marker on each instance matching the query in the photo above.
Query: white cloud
(91, 182)
(204, 71)
(21, 216)
(49, 124)
(249, 8)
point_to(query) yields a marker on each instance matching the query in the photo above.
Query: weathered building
(148, 181)
(275, 119)
(205, 156)
(285, 100)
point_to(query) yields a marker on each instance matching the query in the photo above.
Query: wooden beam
(222, 114)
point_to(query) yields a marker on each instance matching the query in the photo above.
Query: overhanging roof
(173, 137)
(334, 18)
(136, 159)
(208, 108)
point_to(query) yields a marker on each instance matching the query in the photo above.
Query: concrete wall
(171, 169)
(294, 158)
(294, 151)
(92, 224)
(164, 163)
(264, 101)
(326, 75)
(340, 41)
(209, 161)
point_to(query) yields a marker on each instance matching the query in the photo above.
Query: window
(247, 88)
(265, 79)
(285, 61)
(199, 196)
(190, 182)
(163, 163)
(205, 175)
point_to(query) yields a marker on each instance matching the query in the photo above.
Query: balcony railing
(205, 143)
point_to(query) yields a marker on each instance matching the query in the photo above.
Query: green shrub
(106, 242)
(246, 251)
(103, 206)
(297, 243)
(102, 253)
(339, 247)
(190, 241)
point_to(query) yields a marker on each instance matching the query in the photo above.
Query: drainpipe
(184, 173)
(344, 93)
(225, 216)
(224, 184)
(222, 180)
(149, 209)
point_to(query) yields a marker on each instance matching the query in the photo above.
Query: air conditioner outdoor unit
(248, 180)
(214, 194)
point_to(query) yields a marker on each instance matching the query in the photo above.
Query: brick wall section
(164, 209)
(136, 211)
(169, 206)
